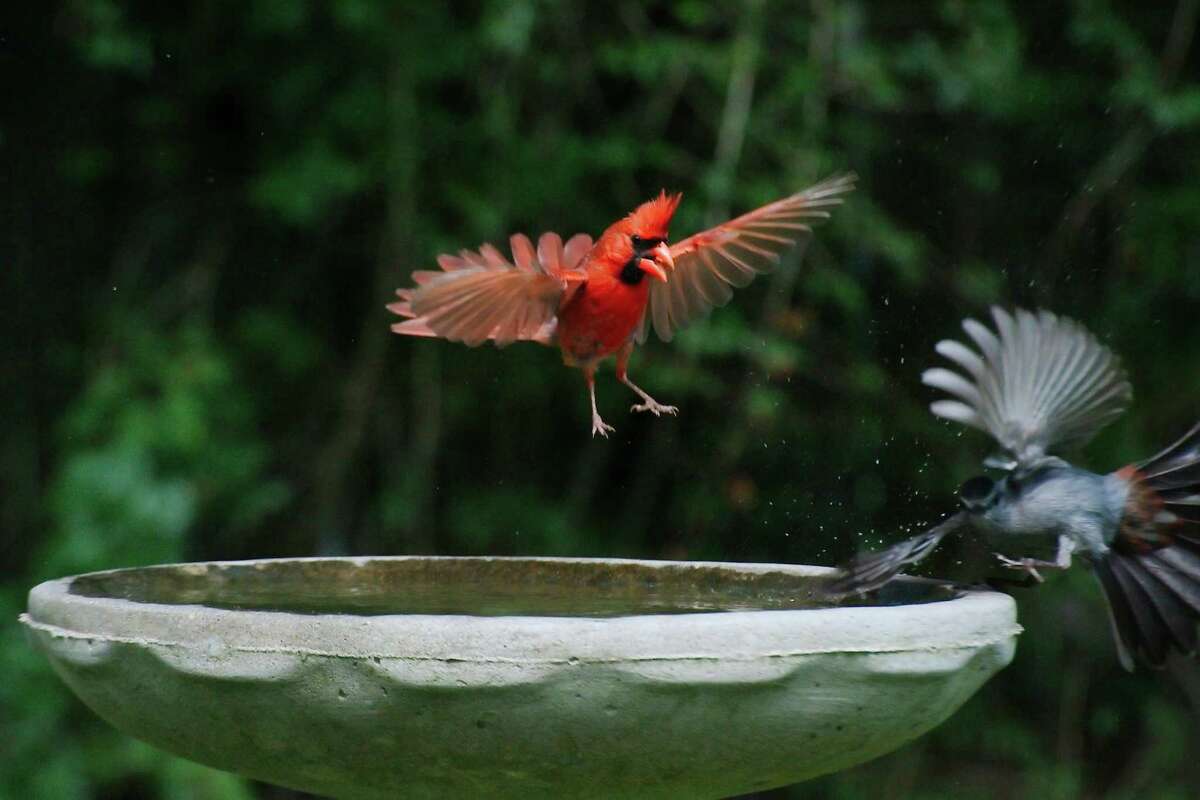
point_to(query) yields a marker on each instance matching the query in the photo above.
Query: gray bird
(1040, 385)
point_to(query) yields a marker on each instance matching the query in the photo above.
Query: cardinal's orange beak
(660, 256)
(652, 269)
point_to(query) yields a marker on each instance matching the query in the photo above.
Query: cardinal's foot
(655, 408)
(600, 427)
(1026, 565)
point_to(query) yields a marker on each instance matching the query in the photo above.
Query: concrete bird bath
(507, 678)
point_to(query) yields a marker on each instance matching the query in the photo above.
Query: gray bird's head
(979, 494)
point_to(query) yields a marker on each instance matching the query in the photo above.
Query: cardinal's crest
(651, 219)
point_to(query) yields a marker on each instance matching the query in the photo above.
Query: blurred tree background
(205, 206)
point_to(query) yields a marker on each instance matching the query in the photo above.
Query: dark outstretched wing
(869, 571)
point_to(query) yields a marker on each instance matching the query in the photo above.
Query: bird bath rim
(655, 706)
(843, 627)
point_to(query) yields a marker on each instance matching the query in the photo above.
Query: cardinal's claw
(600, 427)
(1025, 565)
(655, 408)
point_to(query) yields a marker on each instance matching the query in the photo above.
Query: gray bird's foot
(655, 408)
(1027, 565)
(600, 427)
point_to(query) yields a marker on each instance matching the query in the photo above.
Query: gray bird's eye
(978, 493)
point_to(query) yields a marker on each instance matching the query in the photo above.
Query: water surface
(478, 587)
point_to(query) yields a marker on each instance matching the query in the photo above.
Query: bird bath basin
(497, 677)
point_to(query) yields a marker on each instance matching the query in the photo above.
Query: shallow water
(477, 587)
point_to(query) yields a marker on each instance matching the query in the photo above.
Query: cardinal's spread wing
(1043, 383)
(481, 295)
(709, 263)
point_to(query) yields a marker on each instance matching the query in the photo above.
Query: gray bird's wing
(1040, 383)
(870, 571)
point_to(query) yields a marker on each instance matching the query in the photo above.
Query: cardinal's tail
(1151, 576)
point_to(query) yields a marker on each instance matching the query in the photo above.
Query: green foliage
(210, 204)
(160, 441)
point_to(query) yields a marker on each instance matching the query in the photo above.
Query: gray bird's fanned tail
(1174, 474)
(1151, 577)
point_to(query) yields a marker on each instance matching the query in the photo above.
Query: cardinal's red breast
(601, 316)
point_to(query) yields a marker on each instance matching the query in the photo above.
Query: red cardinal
(594, 299)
